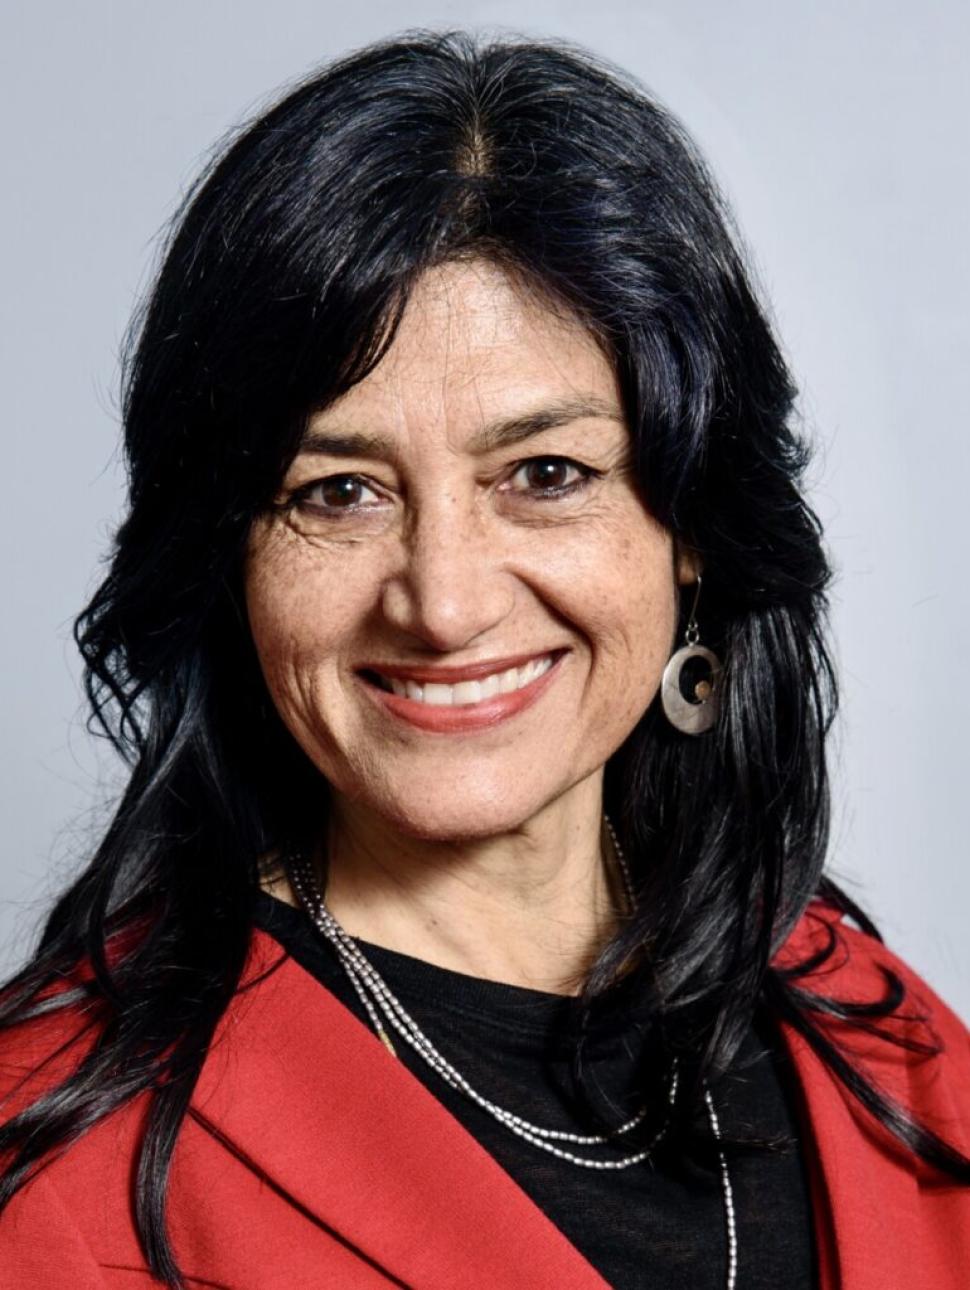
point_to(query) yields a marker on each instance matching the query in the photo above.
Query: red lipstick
(451, 674)
(466, 717)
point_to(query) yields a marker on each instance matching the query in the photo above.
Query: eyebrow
(502, 433)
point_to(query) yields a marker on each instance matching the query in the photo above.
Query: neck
(530, 907)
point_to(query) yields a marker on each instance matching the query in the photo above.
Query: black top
(639, 1227)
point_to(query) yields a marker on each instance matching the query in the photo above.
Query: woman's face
(461, 605)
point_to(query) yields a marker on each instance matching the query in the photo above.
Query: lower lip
(443, 719)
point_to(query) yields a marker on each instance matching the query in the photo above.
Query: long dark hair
(280, 287)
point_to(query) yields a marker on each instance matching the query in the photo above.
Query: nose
(453, 585)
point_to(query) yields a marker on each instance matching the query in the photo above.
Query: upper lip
(450, 674)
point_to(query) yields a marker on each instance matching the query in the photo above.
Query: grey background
(839, 133)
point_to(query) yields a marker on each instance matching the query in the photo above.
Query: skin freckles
(434, 543)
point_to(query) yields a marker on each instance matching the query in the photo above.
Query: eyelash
(586, 474)
(300, 496)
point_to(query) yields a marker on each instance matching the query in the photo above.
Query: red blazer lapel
(299, 1087)
(882, 1218)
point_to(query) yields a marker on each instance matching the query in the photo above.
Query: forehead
(473, 347)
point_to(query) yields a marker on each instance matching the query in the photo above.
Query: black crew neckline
(666, 1216)
(498, 1004)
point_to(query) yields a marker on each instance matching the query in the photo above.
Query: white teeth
(439, 696)
(467, 692)
(508, 681)
(490, 686)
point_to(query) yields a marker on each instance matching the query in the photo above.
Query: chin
(457, 815)
(460, 822)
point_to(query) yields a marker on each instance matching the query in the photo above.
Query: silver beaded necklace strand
(387, 1013)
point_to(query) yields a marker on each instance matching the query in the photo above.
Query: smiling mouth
(437, 694)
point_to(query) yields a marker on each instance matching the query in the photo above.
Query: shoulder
(73, 1216)
(881, 1014)
(828, 954)
(40, 1052)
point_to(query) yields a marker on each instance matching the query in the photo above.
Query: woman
(463, 921)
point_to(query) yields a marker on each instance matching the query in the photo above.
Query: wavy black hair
(281, 285)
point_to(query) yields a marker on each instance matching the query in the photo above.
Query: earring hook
(692, 633)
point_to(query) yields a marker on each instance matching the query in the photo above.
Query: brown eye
(550, 476)
(342, 490)
(548, 472)
(339, 493)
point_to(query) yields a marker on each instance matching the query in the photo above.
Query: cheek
(299, 613)
(617, 585)
(636, 646)
(647, 600)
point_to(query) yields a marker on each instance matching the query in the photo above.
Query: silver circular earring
(691, 684)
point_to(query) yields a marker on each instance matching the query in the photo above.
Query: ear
(688, 564)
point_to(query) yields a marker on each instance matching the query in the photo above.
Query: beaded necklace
(386, 1014)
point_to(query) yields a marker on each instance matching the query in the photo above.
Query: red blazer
(312, 1158)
